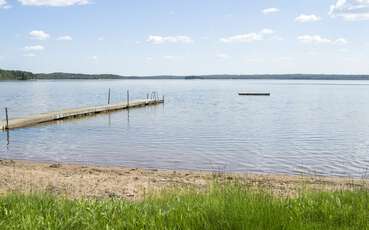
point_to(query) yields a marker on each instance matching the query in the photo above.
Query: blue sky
(151, 37)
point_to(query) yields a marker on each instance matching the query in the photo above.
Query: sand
(86, 181)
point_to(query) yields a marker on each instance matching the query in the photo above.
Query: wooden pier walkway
(70, 113)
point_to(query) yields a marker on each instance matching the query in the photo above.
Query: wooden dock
(71, 113)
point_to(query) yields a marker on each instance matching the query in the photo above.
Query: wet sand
(86, 181)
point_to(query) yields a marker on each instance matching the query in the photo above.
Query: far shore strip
(86, 181)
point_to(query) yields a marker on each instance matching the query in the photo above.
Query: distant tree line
(23, 75)
(16, 75)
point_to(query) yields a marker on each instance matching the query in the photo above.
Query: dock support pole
(163, 98)
(127, 98)
(109, 97)
(147, 98)
(6, 118)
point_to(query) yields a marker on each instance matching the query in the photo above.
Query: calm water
(313, 127)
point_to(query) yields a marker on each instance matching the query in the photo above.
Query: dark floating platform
(254, 94)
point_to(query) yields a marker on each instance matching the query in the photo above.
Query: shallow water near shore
(304, 127)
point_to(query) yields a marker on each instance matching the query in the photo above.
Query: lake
(304, 127)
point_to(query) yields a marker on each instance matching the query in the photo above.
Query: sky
(185, 37)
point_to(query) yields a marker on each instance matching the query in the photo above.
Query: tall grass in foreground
(228, 206)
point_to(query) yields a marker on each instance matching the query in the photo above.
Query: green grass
(223, 207)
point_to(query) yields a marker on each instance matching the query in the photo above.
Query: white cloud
(100, 39)
(169, 57)
(39, 35)
(93, 59)
(307, 18)
(341, 41)
(278, 38)
(29, 55)
(343, 50)
(34, 48)
(270, 11)
(4, 5)
(65, 38)
(283, 59)
(157, 40)
(55, 3)
(254, 60)
(317, 39)
(350, 10)
(242, 38)
(267, 31)
(312, 52)
(248, 38)
(313, 39)
(172, 58)
(223, 56)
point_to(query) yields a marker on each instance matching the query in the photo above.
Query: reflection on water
(314, 127)
(7, 139)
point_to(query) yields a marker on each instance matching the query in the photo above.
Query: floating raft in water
(254, 94)
(71, 113)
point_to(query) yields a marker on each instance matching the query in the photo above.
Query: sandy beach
(86, 181)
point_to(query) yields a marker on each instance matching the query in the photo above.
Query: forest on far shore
(24, 75)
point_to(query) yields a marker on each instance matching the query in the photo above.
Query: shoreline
(94, 181)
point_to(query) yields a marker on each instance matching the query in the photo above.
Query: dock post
(127, 98)
(109, 97)
(147, 98)
(6, 118)
(163, 98)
